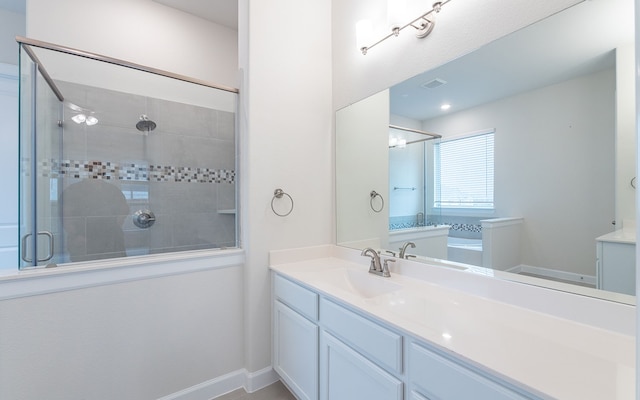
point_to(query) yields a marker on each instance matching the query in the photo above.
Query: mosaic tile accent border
(133, 172)
(406, 225)
(402, 223)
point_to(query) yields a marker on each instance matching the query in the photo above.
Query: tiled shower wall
(183, 171)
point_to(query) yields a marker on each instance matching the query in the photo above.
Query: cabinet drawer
(295, 296)
(377, 343)
(434, 376)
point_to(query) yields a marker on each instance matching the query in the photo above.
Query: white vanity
(342, 333)
(616, 261)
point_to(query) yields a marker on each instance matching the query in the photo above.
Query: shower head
(145, 124)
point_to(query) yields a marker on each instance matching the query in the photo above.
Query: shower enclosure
(118, 160)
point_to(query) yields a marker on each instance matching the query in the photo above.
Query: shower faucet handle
(144, 219)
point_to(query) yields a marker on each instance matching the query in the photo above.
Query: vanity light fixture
(423, 24)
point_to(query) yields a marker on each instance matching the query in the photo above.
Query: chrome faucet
(376, 267)
(403, 249)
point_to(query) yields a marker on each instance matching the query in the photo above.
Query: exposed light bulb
(79, 118)
(91, 120)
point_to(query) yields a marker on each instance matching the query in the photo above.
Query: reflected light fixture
(423, 24)
(91, 120)
(82, 115)
(395, 142)
(80, 118)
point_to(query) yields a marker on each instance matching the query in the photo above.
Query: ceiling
(222, 12)
(574, 42)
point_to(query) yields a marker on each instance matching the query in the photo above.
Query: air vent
(434, 83)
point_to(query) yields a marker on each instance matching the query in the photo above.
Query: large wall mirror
(529, 174)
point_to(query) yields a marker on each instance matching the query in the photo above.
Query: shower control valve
(144, 219)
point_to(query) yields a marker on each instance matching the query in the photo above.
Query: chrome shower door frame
(40, 142)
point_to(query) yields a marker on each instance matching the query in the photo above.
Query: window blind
(464, 172)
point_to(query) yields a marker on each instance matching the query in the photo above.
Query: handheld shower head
(145, 124)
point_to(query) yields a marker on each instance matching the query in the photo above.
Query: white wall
(139, 31)
(406, 169)
(8, 167)
(135, 340)
(362, 159)
(625, 137)
(287, 119)
(11, 25)
(554, 166)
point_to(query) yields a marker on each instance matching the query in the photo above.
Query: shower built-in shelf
(229, 211)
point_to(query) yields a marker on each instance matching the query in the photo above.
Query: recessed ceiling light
(445, 107)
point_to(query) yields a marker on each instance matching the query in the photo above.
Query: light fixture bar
(424, 29)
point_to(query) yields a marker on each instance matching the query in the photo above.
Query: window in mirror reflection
(464, 172)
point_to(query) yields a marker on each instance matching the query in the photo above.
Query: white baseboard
(250, 381)
(260, 379)
(554, 274)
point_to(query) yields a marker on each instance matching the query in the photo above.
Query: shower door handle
(25, 239)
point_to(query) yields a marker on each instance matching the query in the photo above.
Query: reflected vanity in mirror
(532, 178)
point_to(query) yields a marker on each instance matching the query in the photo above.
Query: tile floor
(277, 391)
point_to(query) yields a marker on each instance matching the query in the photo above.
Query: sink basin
(359, 282)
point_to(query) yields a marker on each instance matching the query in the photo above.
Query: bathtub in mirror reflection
(557, 100)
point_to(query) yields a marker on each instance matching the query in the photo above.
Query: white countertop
(558, 357)
(619, 236)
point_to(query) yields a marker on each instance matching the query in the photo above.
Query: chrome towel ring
(373, 195)
(278, 194)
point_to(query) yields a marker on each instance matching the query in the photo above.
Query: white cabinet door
(617, 267)
(295, 351)
(347, 375)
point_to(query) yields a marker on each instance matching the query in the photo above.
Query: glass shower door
(40, 155)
